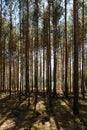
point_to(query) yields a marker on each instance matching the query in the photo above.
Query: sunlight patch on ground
(82, 102)
(40, 117)
(9, 123)
(40, 126)
(53, 124)
(40, 107)
(43, 122)
(23, 103)
(83, 112)
(3, 118)
(2, 96)
(63, 103)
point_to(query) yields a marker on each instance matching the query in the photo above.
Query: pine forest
(43, 64)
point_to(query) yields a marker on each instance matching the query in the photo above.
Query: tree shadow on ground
(61, 110)
(15, 115)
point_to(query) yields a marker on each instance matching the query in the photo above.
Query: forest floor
(15, 115)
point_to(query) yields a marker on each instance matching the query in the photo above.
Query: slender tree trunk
(49, 55)
(14, 81)
(63, 71)
(27, 54)
(4, 67)
(19, 54)
(66, 54)
(75, 78)
(54, 48)
(10, 51)
(36, 51)
(0, 45)
(18, 72)
(70, 71)
(43, 70)
(44, 51)
(82, 84)
(32, 84)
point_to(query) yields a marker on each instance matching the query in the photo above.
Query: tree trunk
(1, 45)
(54, 49)
(75, 78)
(82, 84)
(36, 50)
(10, 52)
(66, 54)
(27, 54)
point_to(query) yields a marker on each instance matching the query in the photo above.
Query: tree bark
(75, 78)
(66, 54)
(82, 84)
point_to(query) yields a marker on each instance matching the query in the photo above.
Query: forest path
(14, 114)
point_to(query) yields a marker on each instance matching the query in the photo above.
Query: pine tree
(75, 78)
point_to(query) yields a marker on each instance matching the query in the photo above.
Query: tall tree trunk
(10, 51)
(36, 50)
(82, 84)
(4, 66)
(20, 51)
(66, 54)
(18, 72)
(44, 51)
(0, 44)
(75, 78)
(27, 54)
(32, 66)
(71, 71)
(49, 55)
(43, 69)
(54, 48)
(63, 63)
(40, 70)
